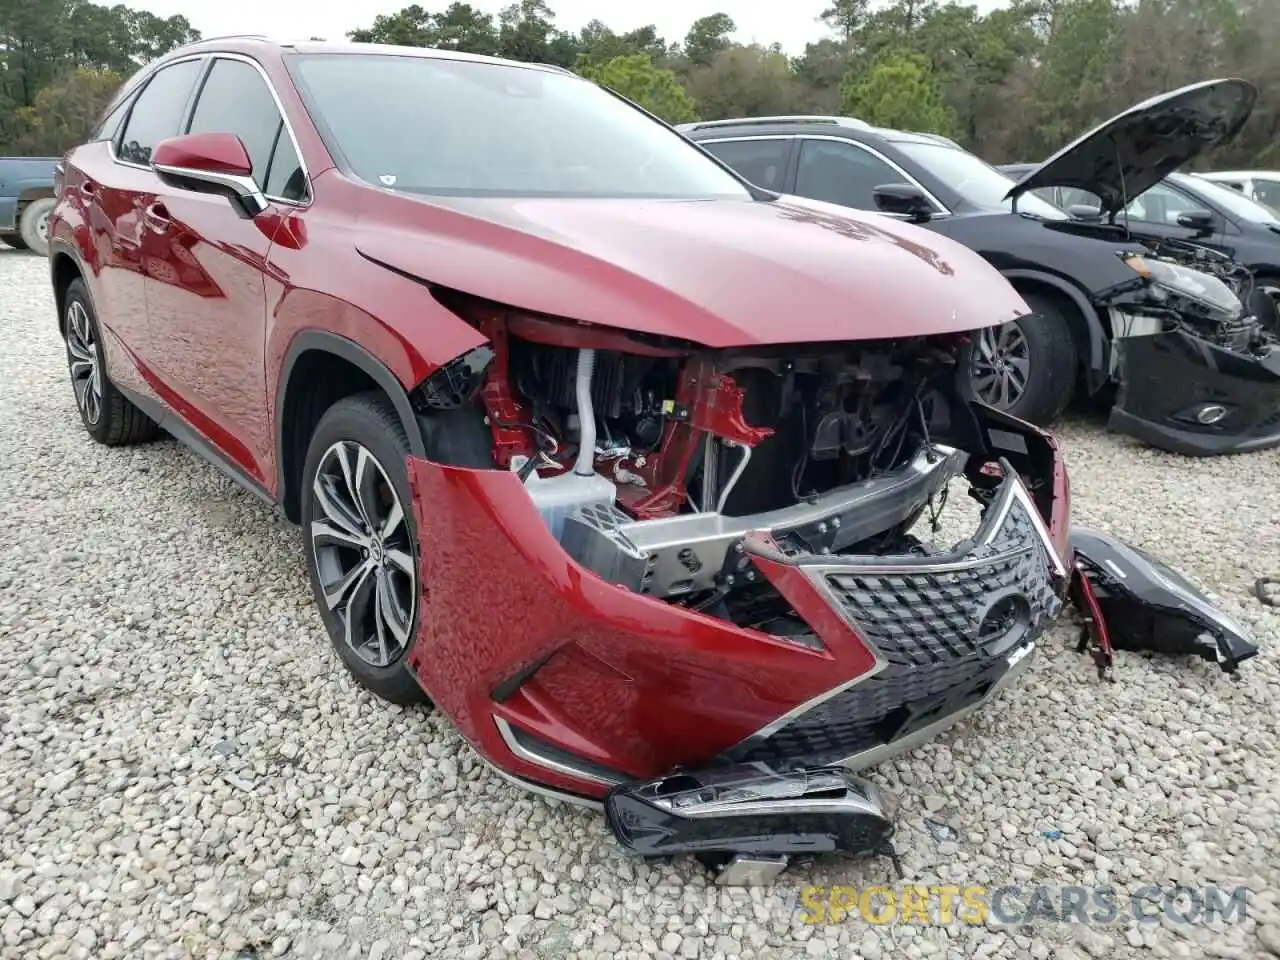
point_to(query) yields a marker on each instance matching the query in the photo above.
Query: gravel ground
(185, 769)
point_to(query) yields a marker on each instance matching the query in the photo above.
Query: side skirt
(180, 430)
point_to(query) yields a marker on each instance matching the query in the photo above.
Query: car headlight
(1203, 288)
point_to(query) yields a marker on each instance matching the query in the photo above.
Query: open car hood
(1138, 148)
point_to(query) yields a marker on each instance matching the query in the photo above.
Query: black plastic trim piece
(177, 427)
(508, 687)
(1098, 342)
(358, 356)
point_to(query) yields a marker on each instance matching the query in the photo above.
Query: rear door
(847, 172)
(206, 297)
(765, 161)
(113, 185)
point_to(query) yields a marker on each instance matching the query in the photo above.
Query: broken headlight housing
(1171, 282)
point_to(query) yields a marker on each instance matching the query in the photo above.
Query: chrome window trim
(134, 96)
(940, 208)
(214, 56)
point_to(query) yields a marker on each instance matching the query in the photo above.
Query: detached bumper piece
(749, 820)
(1146, 605)
(1183, 394)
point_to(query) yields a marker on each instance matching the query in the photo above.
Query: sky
(793, 24)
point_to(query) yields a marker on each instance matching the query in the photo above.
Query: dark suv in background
(1031, 365)
(1108, 304)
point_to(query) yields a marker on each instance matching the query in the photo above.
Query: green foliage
(65, 111)
(746, 81)
(635, 77)
(900, 91)
(707, 37)
(1014, 83)
(60, 61)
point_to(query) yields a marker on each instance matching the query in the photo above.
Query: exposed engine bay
(1196, 352)
(1191, 285)
(776, 492)
(651, 463)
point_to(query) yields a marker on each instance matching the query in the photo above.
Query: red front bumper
(514, 633)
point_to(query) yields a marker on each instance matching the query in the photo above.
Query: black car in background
(1162, 320)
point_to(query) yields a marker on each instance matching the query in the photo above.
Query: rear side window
(236, 99)
(110, 124)
(841, 173)
(158, 111)
(763, 162)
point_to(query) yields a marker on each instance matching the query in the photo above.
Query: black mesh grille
(919, 619)
(944, 634)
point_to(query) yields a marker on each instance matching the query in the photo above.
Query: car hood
(1135, 150)
(720, 273)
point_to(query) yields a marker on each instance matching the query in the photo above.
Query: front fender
(1091, 336)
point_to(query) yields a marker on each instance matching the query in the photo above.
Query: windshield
(467, 128)
(975, 180)
(1233, 201)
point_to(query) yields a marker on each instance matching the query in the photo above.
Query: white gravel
(185, 769)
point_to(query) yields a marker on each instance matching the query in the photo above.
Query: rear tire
(13, 240)
(1028, 367)
(108, 416)
(33, 225)
(361, 542)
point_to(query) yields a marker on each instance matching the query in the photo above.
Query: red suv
(616, 457)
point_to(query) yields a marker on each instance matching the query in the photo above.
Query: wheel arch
(64, 269)
(319, 369)
(1091, 336)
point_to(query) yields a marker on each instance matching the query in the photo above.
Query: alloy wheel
(82, 357)
(363, 553)
(1001, 365)
(42, 226)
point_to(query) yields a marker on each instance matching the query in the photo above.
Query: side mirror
(1085, 211)
(1201, 221)
(905, 200)
(210, 163)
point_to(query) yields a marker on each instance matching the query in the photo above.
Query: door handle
(156, 217)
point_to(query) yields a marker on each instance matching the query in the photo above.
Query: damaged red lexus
(613, 456)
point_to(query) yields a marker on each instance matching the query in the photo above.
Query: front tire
(361, 542)
(13, 240)
(33, 226)
(107, 415)
(1027, 368)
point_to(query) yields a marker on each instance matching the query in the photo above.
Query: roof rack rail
(235, 36)
(851, 122)
(935, 137)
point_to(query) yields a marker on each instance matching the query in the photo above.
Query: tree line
(1012, 84)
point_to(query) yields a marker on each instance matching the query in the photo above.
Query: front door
(206, 297)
